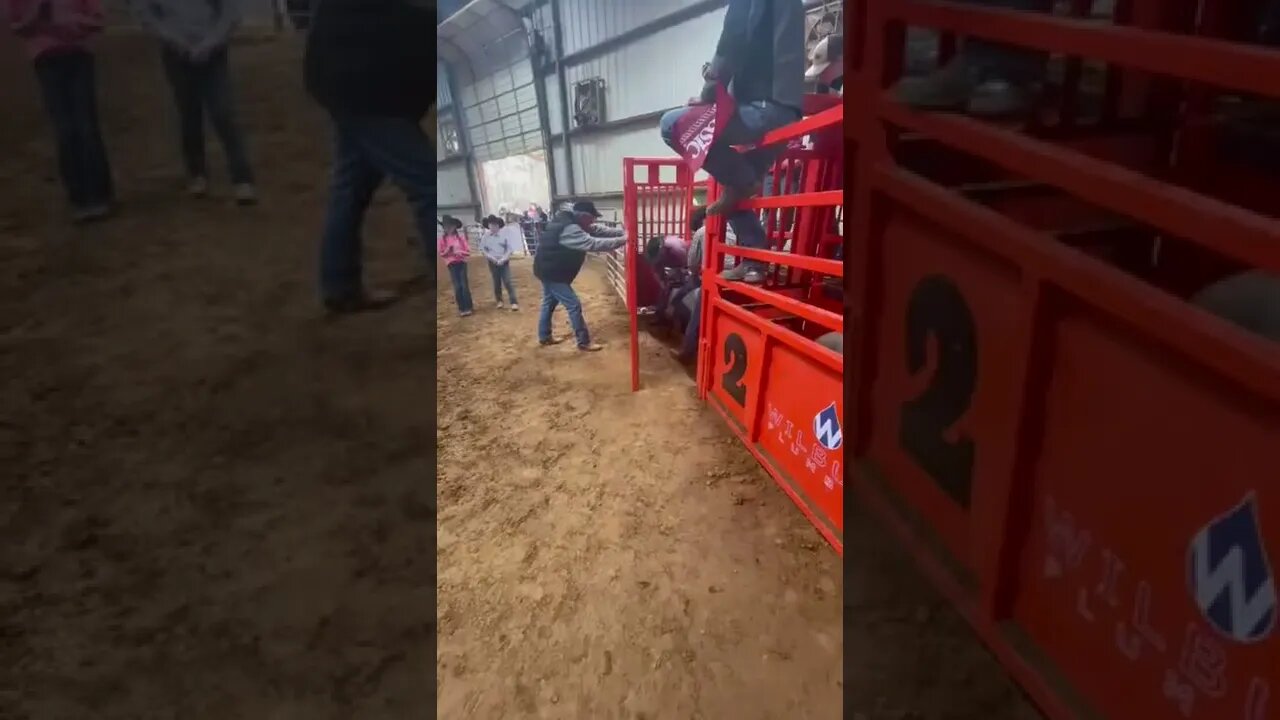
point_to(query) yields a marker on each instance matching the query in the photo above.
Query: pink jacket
(453, 248)
(53, 25)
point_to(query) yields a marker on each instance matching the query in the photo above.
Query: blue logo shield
(1229, 576)
(826, 428)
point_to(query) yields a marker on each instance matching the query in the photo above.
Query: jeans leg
(495, 272)
(99, 186)
(750, 123)
(511, 286)
(466, 287)
(184, 80)
(689, 346)
(402, 151)
(1005, 62)
(354, 182)
(55, 89)
(219, 100)
(461, 289)
(569, 299)
(545, 312)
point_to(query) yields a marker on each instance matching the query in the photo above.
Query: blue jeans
(729, 167)
(561, 294)
(461, 286)
(69, 90)
(200, 87)
(366, 151)
(502, 278)
(689, 345)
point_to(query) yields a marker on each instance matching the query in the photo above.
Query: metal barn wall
(454, 194)
(642, 77)
(452, 187)
(499, 101)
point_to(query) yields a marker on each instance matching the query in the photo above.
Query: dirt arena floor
(605, 554)
(216, 505)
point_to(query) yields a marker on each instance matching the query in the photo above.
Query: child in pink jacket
(452, 246)
(56, 33)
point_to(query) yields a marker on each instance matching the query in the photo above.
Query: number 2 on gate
(735, 357)
(937, 309)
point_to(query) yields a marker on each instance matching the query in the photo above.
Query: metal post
(564, 98)
(544, 112)
(464, 138)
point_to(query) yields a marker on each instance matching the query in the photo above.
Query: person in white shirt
(497, 249)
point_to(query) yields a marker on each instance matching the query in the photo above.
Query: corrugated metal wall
(649, 74)
(452, 187)
(498, 99)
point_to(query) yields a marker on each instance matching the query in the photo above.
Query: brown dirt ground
(217, 505)
(605, 554)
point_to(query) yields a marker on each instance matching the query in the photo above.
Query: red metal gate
(1081, 460)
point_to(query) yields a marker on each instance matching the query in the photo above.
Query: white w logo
(1248, 612)
(826, 427)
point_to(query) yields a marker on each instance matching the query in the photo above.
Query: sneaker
(245, 194)
(591, 347)
(465, 313)
(742, 272)
(90, 213)
(198, 187)
(550, 341)
(515, 307)
(995, 99)
(946, 88)
(364, 302)
(501, 306)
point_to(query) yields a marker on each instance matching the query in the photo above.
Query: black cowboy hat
(449, 220)
(493, 219)
(586, 207)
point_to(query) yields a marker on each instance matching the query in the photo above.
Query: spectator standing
(56, 34)
(455, 251)
(497, 249)
(368, 65)
(195, 36)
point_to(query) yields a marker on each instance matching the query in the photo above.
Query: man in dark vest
(562, 249)
(366, 65)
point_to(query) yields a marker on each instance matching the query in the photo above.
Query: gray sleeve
(601, 231)
(695, 250)
(576, 238)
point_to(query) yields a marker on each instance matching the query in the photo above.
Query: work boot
(198, 187)
(245, 194)
(946, 88)
(744, 272)
(91, 213)
(591, 347)
(996, 99)
(363, 302)
(550, 341)
(730, 196)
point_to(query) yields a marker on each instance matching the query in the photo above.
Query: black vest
(553, 262)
